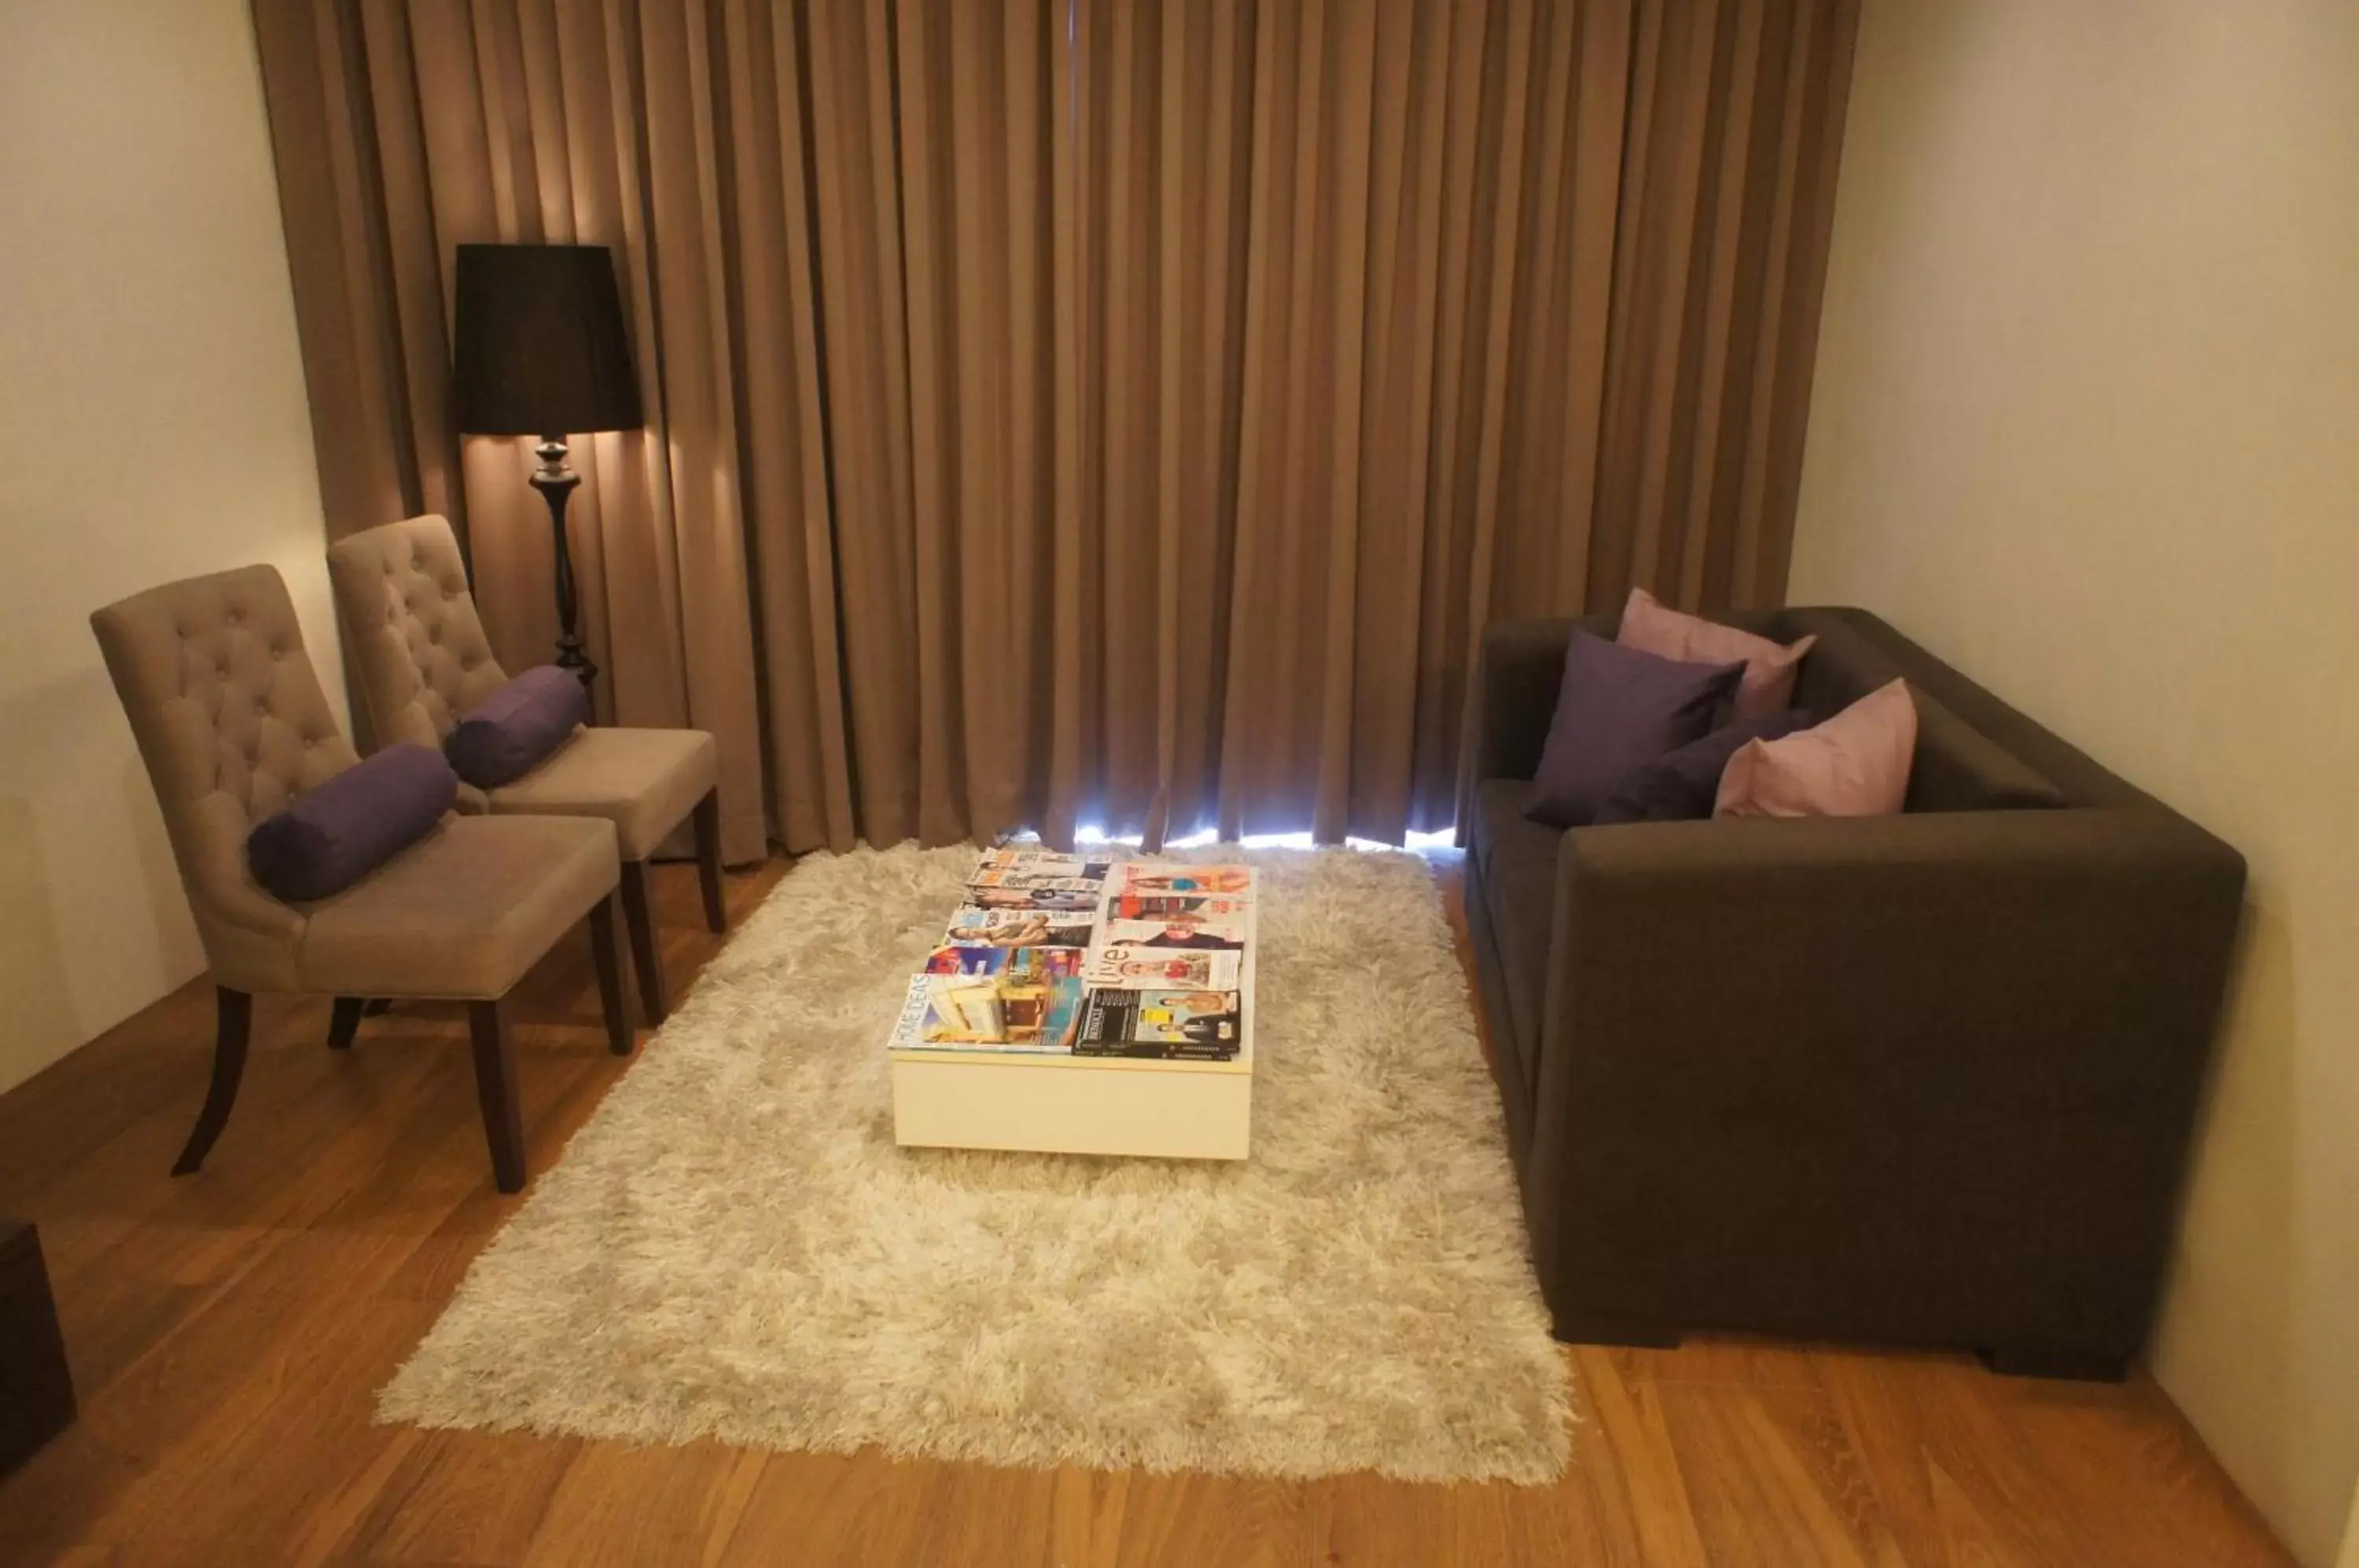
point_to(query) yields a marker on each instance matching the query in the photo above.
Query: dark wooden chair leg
(708, 860)
(345, 1022)
(606, 952)
(640, 920)
(234, 1010)
(487, 1022)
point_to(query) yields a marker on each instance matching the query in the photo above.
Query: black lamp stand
(555, 479)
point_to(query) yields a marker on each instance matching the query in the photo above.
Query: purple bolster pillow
(334, 835)
(506, 735)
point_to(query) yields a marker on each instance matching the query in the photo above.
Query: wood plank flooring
(228, 1331)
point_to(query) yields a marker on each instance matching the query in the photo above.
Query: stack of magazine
(1069, 955)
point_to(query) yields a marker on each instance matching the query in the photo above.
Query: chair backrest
(232, 725)
(417, 644)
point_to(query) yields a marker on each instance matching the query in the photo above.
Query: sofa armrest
(1884, 1052)
(1516, 680)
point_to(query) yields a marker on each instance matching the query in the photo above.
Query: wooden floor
(227, 1332)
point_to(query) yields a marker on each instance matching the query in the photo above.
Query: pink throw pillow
(1854, 764)
(1651, 626)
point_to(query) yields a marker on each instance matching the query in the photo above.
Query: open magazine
(1160, 1023)
(988, 1012)
(1128, 968)
(1061, 954)
(974, 926)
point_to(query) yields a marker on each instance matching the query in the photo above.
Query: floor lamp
(539, 350)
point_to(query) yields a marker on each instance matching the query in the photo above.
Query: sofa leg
(236, 1013)
(2015, 1361)
(1594, 1328)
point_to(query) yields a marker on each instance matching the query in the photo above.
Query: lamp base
(555, 480)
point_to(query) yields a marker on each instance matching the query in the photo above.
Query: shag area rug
(733, 1247)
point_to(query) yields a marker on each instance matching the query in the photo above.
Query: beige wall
(152, 425)
(2087, 422)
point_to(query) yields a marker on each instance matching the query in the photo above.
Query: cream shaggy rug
(735, 1248)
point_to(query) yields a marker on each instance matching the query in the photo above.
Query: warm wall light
(539, 350)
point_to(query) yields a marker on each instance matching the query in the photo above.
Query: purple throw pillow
(1618, 709)
(506, 735)
(355, 822)
(1680, 786)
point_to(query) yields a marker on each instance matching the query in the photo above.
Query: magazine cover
(1129, 904)
(1111, 1016)
(1040, 860)
(976, 926)
(1044, 900)
(1156, 1049)
(989, 1012)
(1149, 879)
(1130, 968)
(1185, 928)
(1027, 965)
(1042, 873)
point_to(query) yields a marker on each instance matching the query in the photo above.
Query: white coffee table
(1082, 1105)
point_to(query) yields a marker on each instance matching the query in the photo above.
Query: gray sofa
(1926, 1079)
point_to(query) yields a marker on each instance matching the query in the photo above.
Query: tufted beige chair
(422, 661)
(233, 726)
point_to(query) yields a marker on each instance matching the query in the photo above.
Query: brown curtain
(1083, 411)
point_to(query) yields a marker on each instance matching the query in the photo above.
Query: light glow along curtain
(1083, 411)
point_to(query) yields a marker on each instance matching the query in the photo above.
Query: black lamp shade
(539, 347)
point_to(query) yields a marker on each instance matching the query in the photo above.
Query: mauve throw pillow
(506, 735)
(334, 835)
(1618, 708)
(1769, 668)
(1681, 786)
(1854, 764)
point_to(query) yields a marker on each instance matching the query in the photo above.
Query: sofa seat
(1920, 1079)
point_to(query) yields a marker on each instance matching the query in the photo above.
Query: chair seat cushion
(463, 912)
(644, 782)
(340, 830)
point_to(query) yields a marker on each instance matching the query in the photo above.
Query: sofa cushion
(1854, 764)
(1517, 862)
(1616, 708)
(338, 832)
(508, 733)
(1770, 666)
(1680, 786)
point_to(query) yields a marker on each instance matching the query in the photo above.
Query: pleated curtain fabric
(1083, 412)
